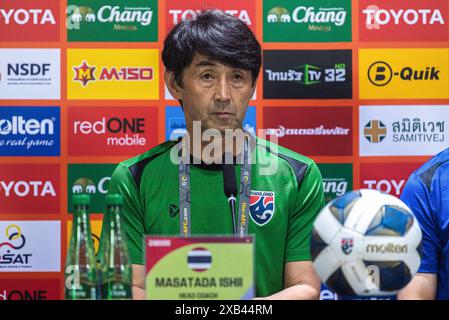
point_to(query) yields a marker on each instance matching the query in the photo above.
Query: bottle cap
(81, 199)
(112, 199)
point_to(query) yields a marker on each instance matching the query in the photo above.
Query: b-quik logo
(380, 73)
(29, 131)
(124, 131)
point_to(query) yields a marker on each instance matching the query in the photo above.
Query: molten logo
(386, 248)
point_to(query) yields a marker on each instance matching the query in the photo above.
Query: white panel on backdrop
(30, 74)
(406, 130)
(30, 246)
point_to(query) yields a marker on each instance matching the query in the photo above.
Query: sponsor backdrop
(362, 87)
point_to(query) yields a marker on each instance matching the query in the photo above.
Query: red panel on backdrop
(29, 188)
(29, 289)
(312, 131)
(178, 10)
(413, 20)
(23, 20)
(112, 131)
(386, 177)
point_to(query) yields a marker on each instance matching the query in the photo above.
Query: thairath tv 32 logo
(85, 73)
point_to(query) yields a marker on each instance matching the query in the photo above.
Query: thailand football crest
(346, 245)
(261, 206)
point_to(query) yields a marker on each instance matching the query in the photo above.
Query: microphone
(230, 187)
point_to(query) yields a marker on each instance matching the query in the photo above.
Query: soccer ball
(366, 243)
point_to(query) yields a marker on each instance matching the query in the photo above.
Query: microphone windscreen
(229, 181)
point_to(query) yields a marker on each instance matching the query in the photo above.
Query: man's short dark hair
(216, 35)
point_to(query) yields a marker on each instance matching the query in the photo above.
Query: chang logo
(278, 15)
(112, 14)
(86, 185)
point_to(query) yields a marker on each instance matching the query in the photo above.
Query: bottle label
(83, 291)
(116, 290)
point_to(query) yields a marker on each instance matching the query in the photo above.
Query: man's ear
(172, 85)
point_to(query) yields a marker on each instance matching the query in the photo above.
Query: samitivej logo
(403, 130)
(375, 131)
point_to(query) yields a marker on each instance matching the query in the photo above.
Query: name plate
(212, 268)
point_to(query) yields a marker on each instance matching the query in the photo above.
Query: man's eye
(206, 76)
(238, 77)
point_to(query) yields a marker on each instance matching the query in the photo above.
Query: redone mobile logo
(106, 130)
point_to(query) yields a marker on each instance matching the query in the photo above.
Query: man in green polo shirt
(212, 64)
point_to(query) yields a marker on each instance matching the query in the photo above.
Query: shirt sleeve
(416, 196)
(309, 202)
(123, 183)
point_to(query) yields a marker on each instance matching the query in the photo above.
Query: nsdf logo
(317, 131)
(22, 20)
(29, 289)
(307, 74)
(129, 74)
(29, 188)
(182, 10)
(413, 20)
(386, 177)
(90, 178)
(29, 131)
(106, 131)
(22, 243)
(30, 73)
(404, 73)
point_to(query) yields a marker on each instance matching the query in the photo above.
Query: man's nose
(222, 93)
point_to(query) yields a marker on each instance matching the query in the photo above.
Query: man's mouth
(223, 115)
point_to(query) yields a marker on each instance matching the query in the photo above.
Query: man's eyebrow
(205, 63)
